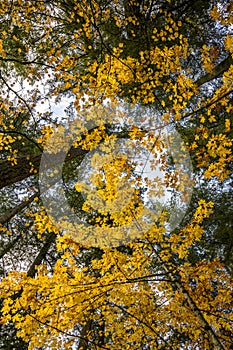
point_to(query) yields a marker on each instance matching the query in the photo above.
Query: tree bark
(216, 72)
(42, 254)
(83, 342)
(10, 245)
(22, 170)
(12, 212)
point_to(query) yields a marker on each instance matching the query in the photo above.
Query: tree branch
(12, 212)
(216, 72)
(206, 326)
(42, 254)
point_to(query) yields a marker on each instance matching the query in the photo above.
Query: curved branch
(23, 135)
(24, 63)
(16, 94)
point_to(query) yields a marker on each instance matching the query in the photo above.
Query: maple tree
(123, 275)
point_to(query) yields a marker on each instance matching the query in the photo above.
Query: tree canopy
(116, 174)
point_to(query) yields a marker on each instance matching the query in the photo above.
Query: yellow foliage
(143, 292)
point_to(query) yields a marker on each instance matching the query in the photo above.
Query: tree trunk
(22, 170)
(216, 72)
(12, 212)
(42, 254)
(83, 342)
(9, 246)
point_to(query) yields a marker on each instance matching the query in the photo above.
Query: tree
(123, 275)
